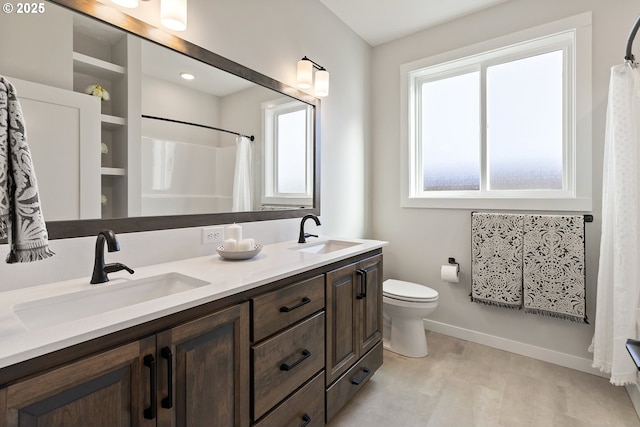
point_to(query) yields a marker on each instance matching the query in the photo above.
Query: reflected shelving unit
(112, 60)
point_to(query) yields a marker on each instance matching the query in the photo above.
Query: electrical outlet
(212, 235)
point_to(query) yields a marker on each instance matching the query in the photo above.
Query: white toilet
(405, 304)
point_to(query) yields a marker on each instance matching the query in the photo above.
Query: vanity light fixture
(173, 13)
(306, 77)
(187, 76)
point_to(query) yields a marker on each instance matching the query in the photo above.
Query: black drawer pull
(304, 301)
(357, 381)
(363, 283)
(167, 402)
(305, 353)
(307, 419)
(150, 362)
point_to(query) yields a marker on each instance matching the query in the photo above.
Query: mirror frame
(90, 227)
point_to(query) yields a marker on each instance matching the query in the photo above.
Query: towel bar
(587, 217)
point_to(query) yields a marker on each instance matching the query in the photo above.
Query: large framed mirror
(149, 150)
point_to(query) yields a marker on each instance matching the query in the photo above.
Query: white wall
(423, 239)
(269, 37)
(42, 56)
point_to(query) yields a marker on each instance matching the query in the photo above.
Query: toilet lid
(407, 291)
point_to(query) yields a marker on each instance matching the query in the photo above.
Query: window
(288, 154)
(503, 124)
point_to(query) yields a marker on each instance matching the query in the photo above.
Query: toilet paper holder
(452, 261)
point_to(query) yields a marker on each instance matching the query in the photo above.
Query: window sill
(546, 204)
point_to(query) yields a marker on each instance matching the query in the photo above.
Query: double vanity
(282, 339)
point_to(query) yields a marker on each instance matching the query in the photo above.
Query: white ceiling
(165, 64)
(380, 21)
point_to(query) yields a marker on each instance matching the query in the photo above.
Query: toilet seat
(407, 291)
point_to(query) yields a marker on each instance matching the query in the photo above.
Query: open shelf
(112, 171)
(96, 67)
(112, 122)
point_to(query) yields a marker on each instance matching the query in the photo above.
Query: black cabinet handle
(304, 301)
(165, 353)
(305, 353)
(363, 283)
(357, 381)
(307, 419)
(150, 362)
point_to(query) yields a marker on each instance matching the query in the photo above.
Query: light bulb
(305, 74)
(173, 14)
(322, 83)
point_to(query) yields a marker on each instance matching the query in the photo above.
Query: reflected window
(288, 153)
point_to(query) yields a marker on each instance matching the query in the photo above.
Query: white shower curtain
(242, 176)
(618, 278)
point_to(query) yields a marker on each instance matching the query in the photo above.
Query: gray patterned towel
(496, 259)
(21, 219)
(554, 266)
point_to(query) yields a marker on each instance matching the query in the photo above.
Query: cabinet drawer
(305, 406)
(284, 362)
(278, 309)
(353, 380)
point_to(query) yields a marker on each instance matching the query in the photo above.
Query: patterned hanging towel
(21, 219)
(496, 259)
(554, 266)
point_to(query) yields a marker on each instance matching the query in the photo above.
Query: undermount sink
(118, 293)
(325, 247)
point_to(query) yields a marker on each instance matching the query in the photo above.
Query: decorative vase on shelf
(99, 91)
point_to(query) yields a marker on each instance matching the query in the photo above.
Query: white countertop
(274, 262)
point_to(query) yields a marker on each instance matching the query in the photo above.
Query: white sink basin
(324, 247)
(102, 298)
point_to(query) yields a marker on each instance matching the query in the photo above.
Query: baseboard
(540, 353)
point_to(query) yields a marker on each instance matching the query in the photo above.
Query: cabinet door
(342, 346)
(208, 360)
(107, 390)
(370, 309)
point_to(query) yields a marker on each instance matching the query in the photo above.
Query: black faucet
(303, 236)
(100, 270)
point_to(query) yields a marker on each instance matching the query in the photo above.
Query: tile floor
(463, 384)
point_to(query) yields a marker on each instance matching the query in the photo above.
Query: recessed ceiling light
(187, 76)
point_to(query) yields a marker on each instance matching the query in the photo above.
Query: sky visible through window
(524, 134)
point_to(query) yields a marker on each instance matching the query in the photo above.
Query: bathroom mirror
(140, 160)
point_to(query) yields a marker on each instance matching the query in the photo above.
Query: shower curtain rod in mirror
(251, 137)
(632, 35)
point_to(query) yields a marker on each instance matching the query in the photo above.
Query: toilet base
(407, 338)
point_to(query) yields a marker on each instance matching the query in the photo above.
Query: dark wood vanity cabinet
(207, 360)
(354, 329)
(290, 353)
(110, 389)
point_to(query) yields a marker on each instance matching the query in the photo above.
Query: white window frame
(573, 35)
(271, 196)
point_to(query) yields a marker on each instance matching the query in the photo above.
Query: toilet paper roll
(449, 273)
